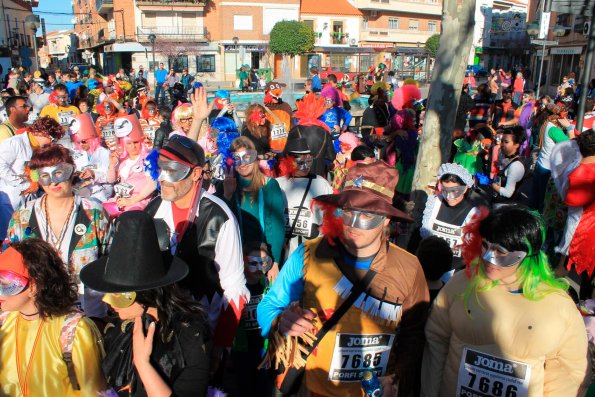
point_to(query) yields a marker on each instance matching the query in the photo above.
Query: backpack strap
(66, 343)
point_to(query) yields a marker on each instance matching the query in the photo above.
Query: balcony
(175, 5)
(426, 7)
(170, 34)
(398, 36)
(103, 6)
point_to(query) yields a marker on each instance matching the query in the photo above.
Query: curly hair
(57, 291)
(171, 301)
(48, 127)
(49, 156)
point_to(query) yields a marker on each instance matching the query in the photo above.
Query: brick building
(16, 39)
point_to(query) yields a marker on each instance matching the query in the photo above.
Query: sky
(51, 11)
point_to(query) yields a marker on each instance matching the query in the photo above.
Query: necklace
(48, 230)
(23, 380)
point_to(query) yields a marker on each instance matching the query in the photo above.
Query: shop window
(393, 23)
(205, 63)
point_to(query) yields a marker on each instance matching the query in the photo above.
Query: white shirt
(14, 153)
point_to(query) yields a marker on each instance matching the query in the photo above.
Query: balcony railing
(171, 2)
(104, 5)
(172, 33)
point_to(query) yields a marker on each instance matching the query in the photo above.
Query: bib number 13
(495, 388)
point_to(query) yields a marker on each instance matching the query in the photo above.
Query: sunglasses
(25, 106)
(120, 300)
(499, 256)
(361, 219)
(11, 283)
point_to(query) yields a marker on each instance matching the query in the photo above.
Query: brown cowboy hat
(369, 187)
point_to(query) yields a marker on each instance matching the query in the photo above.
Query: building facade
(60, 50)
(16, 39)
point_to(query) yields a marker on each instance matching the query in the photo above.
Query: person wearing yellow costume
(39, 326)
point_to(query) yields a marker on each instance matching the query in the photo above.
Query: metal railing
(171, 33)
(172, 2)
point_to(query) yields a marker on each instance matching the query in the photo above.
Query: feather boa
(471, 247)
(332, 225)
(287, 167)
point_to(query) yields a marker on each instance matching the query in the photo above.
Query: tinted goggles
(11, 283)
(172, 171)
(259, 264)
(499, 256)
(120, 300)
(56, 174)
(244, 158)
(361, 220)
(452, 193)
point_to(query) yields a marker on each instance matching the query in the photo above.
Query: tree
(432, 45)
(291, 38)
(445, 90)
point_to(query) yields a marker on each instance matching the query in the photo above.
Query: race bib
(484, 375)
(123, 189)
(64, 118)
(108, 132)
(303, 225)
(278, 132)
(150, 133)
(249, 313)
(355, 353)
(450, 234)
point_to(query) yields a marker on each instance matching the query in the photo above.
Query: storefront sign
(567, 50)
(247, 48)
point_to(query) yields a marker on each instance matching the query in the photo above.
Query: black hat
(297, 146)
(184, 150)
(135, 262)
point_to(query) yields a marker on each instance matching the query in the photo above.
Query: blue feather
(152, 167)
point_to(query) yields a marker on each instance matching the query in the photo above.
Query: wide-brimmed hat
(297, 146)
(370, 188)
(135, 261)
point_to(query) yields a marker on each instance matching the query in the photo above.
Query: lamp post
(235, 40)
(152, 39)
(32, 21)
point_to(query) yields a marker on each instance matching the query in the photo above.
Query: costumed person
(335, 116)
(248, 345)
(511, 170)
(46, 347)
(205, 234)
(347, 142)
(95, 87)
(182, 120)
(581, 193)
(18, 112)
(159, 346)
(111, 88)
(279, 114)
(505, 326)
(77, 228)
(376, 117)
(468, 152)
(165, 128)
(256, 199)
(224, 108)
(448, 210)
(134, 188)
(91, 160)
(402, 151)
(371, 295)
(216, 145)
(141, 96)
(257, 129)
(108, 111)
(61, 111)
(243, 76)
(317, 133)
(150, 121)
(15, 184)
(299, 187)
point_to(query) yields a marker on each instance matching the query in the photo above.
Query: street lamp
(235, 40)
(152, 39)
(32, 21)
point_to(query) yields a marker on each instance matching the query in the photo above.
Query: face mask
(56, 174)
(259, 264)
(12, 284)
(304, 163)
(245, 157)
(172, 171)
(452, 193)
(120, 300)
(151, 111)
(500, 256)
(361, 220)
(108, 109)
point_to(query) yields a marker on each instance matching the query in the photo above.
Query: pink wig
(144, 150)
(94, 143)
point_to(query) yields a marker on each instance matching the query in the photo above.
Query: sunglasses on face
(120, 300)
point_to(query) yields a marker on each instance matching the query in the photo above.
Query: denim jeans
(159, 89)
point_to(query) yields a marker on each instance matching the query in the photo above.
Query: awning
(125, 47)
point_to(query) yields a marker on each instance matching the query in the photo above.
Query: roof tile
(329, 7)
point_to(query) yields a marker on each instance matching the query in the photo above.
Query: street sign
(544, 42)
(544, 24)
(576, 7)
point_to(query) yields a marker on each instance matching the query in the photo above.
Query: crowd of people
(158, 242)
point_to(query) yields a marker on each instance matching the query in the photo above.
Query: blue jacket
(316, 83)
(160, 75)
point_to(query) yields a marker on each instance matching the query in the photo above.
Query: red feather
(471, 247)
(311, 107)
(287, 167)
(332, 225)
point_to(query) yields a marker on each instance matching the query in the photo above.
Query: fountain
(287, 76)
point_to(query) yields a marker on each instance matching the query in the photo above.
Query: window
(432, 26)
(178, 63)
(365, 23)
(242, 22)
(205, 63)
(393, 23)
(309, 22)
(414, 25)
(149, 19)
(380, 1)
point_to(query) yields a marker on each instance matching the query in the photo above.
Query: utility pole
(586, 75)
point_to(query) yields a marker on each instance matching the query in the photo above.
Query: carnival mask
(259, 264)
(11, 283)
(452, 193)
(361, 220)
(245, 157)
(304, 163)
(497, 255)
(120, 300)
(172, 171)
(56, 174)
